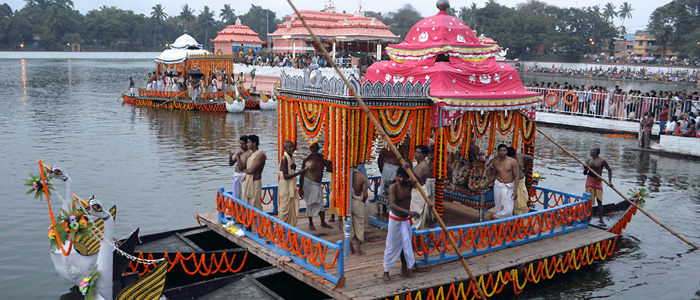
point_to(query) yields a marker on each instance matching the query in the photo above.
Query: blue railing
(559, 197)
(238, 210)
(273, 190)
(480, 238)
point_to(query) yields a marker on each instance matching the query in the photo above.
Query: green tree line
(55, 24)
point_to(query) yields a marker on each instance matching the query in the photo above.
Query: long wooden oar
(616, 190)
(393, 149)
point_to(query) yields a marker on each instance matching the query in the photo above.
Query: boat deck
(363, 274)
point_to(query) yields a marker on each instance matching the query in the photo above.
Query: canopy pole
(396, 152)
(616, 190)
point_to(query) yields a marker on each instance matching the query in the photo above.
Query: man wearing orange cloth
(252, 185)
(594, 185)
(287, 195)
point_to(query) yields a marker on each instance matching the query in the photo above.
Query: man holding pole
(594, 184)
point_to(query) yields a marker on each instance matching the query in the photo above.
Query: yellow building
(645, 44)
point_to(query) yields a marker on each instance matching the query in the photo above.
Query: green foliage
(64, 229)
(402, 20)
(37, 185)
(676, 26)
(260, 20)
(641, 193)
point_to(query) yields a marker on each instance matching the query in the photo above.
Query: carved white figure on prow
(105, 257)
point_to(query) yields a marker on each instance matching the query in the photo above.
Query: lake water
(162, 167)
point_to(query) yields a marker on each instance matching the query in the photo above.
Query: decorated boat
(441, 85)
(188, 77)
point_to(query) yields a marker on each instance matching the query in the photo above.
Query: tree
(158, 15)
(467, 14)
(625, 12)
(187, 15)
(227, 15)
(403, 19)
(260, 20)
(609, 11)
(205, 25)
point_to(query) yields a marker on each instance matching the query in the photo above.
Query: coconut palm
(206, 22)
(187, 15)
(609, 11)
(625, 12)
(227, 14)
(158, 14)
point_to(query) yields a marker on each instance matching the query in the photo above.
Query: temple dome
(186, 41)
(441, 34)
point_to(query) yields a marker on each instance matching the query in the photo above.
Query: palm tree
(625, 12)
(206, 20)
(227, 14)
(187, 15)
(468, 14)
(158, 14)
(609, 11)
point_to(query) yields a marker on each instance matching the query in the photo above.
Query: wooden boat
(187, 58)
(445, 86)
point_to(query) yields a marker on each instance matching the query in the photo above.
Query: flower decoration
(537, 177)
(87, 285)
(69, 224)
(37, 185)
(642, 194)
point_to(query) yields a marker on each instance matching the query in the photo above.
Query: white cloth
(398, 238)
(237, 184)
(503, 198)
(418, 205)
(388, 177)
(313, 196)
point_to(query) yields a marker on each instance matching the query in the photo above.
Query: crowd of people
(642, 59)
(195, 85)
(619, 72)
(681, 107)
(300, 60)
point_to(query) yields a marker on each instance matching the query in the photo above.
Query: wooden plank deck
(364, 273)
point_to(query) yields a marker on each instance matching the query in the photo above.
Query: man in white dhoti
(505, 179)
(239, 158)
(359, 196)
(423, 172)
(252, 185)
(287, 195)
(388, 163)
(399, 243)
(310, 186)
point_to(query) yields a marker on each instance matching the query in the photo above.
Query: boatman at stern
(310, 186)
(594, 185)
(252, 185)
(287, 189)
(399, 242)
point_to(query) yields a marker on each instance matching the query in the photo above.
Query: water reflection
(24, 80)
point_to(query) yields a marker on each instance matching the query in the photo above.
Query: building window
(641, 43)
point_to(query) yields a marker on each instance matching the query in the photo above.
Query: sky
(640, 13)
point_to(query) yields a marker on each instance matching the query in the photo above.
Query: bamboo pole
(616, 190)
(396, 152)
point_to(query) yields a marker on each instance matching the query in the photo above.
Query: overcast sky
(640, 13)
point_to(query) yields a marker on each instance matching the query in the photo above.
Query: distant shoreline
(76, 55)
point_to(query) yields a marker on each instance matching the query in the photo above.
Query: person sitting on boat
(594, 185)
(239, 158)
(504, 181)
(423, 171)
(287, 195)
(399, 242)
(252, 185)
(149, 82)
(359, 196)
(310, 186)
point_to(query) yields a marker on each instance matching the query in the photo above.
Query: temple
(236, 38)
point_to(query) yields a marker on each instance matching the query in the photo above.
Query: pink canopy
(463, 72)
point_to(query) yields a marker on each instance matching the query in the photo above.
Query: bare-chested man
(239, 158)
(594, 185)
(388, 163)
(399, 242)
(252, 185)
(287, 195)
(520, 206)
(310, 186)
(505, 179)
(359, 196)
(423, 172)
